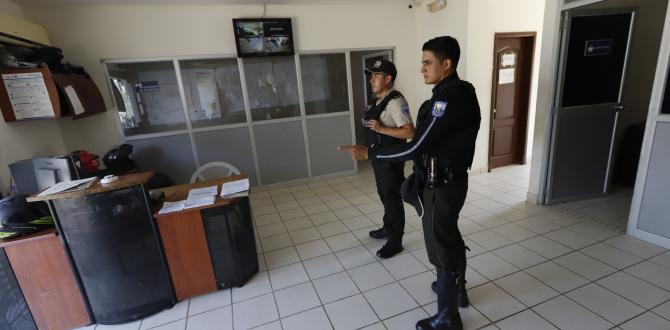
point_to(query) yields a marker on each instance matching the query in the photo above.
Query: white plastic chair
(215, 170)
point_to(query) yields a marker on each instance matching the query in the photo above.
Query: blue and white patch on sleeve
(405, 108)
(439, 108)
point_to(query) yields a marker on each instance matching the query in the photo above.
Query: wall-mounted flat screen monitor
(263, 36)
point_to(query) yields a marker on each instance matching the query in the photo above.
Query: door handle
(618, 107)
(495, 111)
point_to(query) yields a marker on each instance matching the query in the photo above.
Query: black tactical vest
(375, 113)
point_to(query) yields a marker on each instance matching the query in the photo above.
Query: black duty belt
(437, 174)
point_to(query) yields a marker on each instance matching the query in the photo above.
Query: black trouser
(389, 177)
(444, 243)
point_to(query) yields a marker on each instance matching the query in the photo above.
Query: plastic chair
(215, 169)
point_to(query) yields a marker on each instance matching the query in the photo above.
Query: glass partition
(324, 83)
(272, 87)
(147, 97)
(213, 92)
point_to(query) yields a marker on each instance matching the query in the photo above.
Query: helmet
(15, 211)
(118, 159)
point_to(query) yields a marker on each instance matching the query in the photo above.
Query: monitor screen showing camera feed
(263, 36)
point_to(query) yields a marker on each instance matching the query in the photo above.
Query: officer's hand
(375, 125)
(357, 152)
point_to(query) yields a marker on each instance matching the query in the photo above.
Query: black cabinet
(115, 249)
(232, 246)
(14, 312)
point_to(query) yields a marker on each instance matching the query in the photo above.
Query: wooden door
(512, 67)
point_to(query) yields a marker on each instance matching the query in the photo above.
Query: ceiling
(210, 2)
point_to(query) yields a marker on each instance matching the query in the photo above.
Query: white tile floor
(567, 266)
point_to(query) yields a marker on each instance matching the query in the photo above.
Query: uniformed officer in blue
(442, 150)
(388, 123)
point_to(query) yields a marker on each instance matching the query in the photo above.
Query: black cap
(383, 66)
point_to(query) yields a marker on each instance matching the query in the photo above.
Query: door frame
(654, 117)
(494, 89)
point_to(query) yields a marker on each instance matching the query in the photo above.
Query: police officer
(442, 149)
(388, 123)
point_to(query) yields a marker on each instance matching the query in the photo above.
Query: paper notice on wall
(506, 76)
(28, 95)
(77, 107)
(508, 59)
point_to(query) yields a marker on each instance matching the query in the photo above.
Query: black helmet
(118, 159)
(15, 211)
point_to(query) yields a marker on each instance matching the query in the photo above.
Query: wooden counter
(43, 272)
(111, 240)
(185, 240)
(125, 181)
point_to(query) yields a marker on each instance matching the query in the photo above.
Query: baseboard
(478, 171)
(286, 184)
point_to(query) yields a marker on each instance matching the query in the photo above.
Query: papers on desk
(196, 198)
(199, 197)
(229, 189)
(200, 192)
(171, 207)
(68, 186)
(199, 201)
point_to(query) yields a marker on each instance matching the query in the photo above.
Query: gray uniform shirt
(396, 113)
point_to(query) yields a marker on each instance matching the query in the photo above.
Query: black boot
(392, 247)
(463, 300)
(447, 317)
(379, 233)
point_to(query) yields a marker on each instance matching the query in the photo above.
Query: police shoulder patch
(439, 108)
(405, 108)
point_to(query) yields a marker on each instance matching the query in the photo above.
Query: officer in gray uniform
(442, 149)
(388, 123)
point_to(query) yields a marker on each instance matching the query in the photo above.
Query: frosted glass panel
(213, 92)
(654, 208)
(272, 87)
(147, 97)
(231, 145)
(324, 83)
(170, 155)
(281, 152)
(324, 136)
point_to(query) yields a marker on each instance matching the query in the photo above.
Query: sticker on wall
(506, 76)
(147, 86)
(599, 47)
(508, 60)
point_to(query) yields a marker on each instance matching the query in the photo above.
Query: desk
(209, 247)
(111, 240)
(43, 272)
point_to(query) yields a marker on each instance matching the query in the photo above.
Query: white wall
(474, 23)
(11, 8)
(485, 18)
(88, 34)
(22, 140)
(546, 84)
(452, 21)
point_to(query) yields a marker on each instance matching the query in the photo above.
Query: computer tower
(23, 176)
